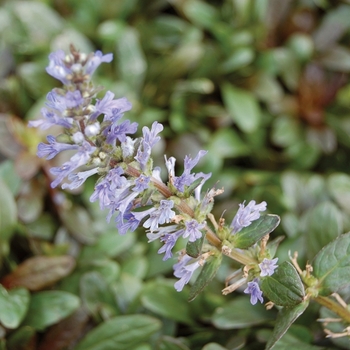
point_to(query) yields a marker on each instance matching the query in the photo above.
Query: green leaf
(13, 305)
(207, 273)
(79, 224)
(194, 249)
(8, 213)
(97, 296)
(339, 188)
(126, 290)
(28, 15)
(240, 313)
(213, 346)
(255, 231)
(121, 332)
(284, 287)
(8, 174)
(323, 224)
(21, 339)
(285, 319)
(49, 307)
(131, 61)
(169, 343)
(332, 265)
(200, 13)
(225, 143)
(242, 106)
(109, 244)
(238, 59)
(161, 298)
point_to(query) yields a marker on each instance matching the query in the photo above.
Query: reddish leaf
(39, 272)
(66, 333)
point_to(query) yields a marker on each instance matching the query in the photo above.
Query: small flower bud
(102, 155)
(92, 130)
(78, 137)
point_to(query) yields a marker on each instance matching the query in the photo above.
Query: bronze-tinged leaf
(27, 165)
(9, 146)
(39, 272)
(65, 334)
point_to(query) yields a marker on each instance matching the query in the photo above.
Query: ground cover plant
(240, 103)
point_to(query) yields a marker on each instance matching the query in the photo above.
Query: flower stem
(335, 307)
(183, 206)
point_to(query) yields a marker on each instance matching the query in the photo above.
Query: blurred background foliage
(262, 85)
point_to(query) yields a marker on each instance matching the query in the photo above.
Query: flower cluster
(129, 187)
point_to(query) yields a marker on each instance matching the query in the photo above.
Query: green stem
(335, 307)
(242, 258)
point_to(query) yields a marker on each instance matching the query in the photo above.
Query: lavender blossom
(246, 215)
(186, 179)
(169, 241)
(50, 119)
(118, 131)
(53, 148)
(60, 103)
(184, 270)
(108, 106)
(141, 183)
(103, 194)
(78, 179)
(163, 214)
(96, 60)
(149, 139)
(192, 231)
(126, 222)
(254, 290)
(268, 267)
(79, 159)
(57, 68)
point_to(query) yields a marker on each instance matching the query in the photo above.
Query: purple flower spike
(102, 193)
(53, 148)
(187, 178)
(141, 183)
(119, 131)
(268, 267)
(57, 68)
(108, 106)
(73, 99)
(169, 241)
(149, 139)
(163, 214)
(78, 179)
(96, 60)
(246, 215)
(184, 270)
(126, 222)
(254, 290)
(50, 119)
(150, 136)
(192, 231)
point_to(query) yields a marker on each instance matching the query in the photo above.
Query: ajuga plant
(175, 209)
